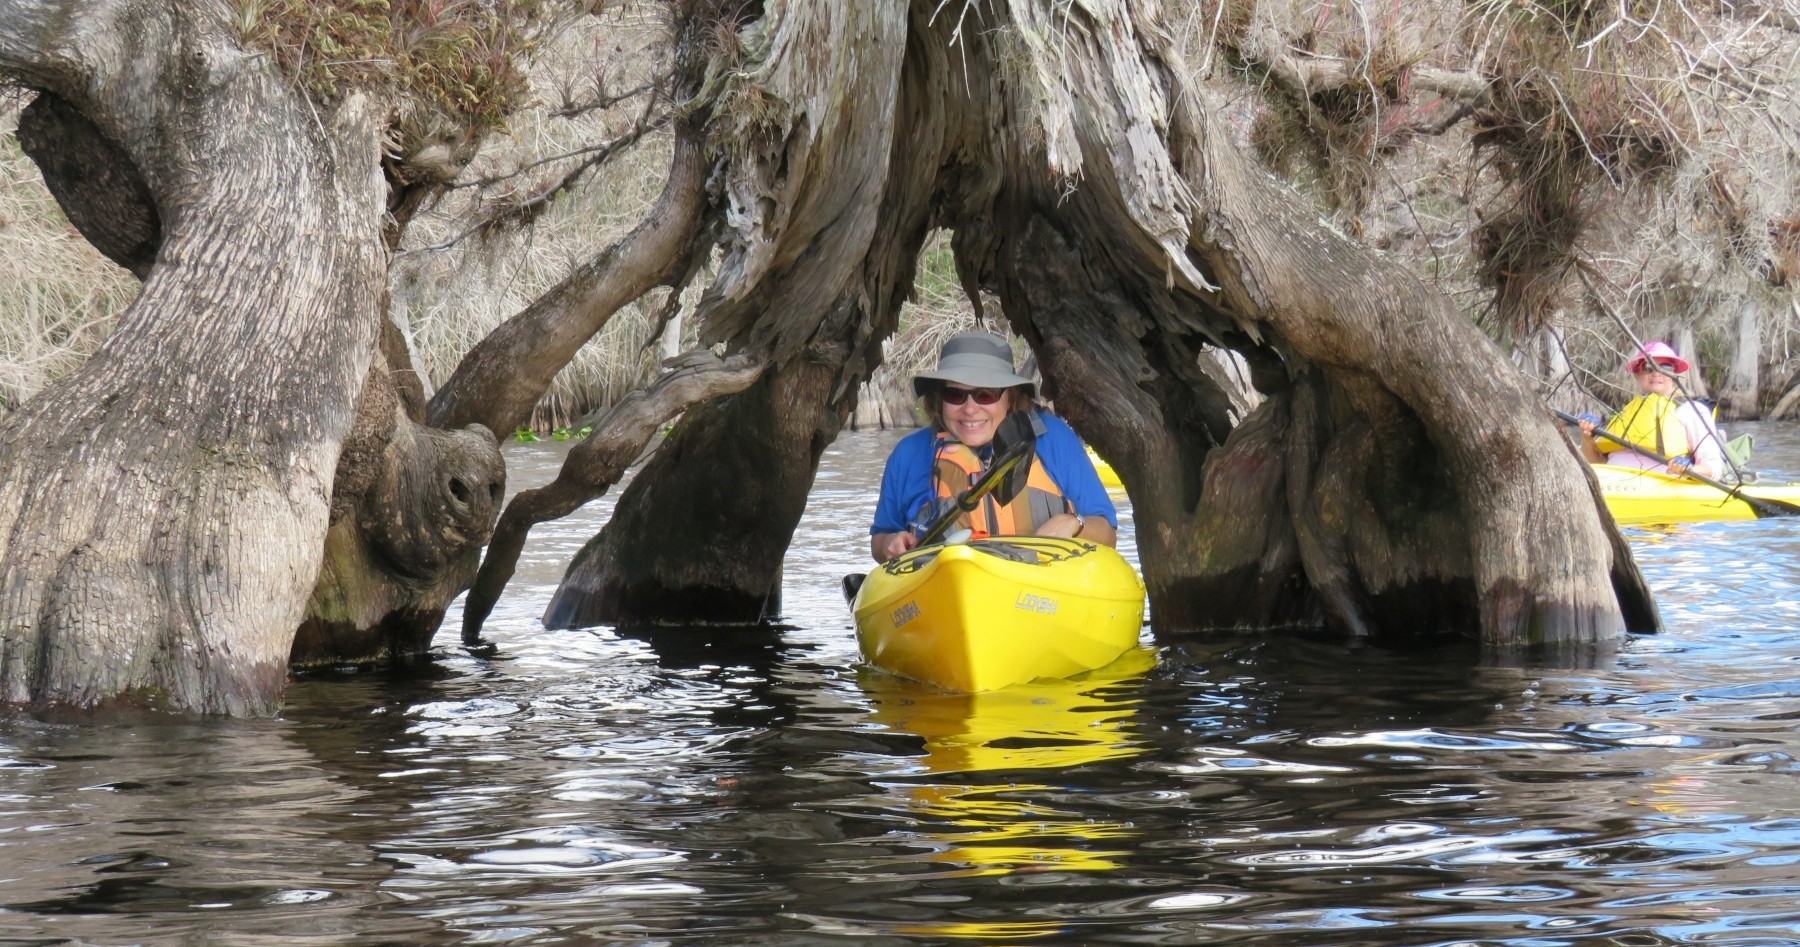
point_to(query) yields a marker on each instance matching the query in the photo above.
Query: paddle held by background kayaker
(974, 389)
(1660, 420)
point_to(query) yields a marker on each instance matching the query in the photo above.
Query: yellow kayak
(1108, 476)
(1639, 497)
(989, 613)
(1636, 497)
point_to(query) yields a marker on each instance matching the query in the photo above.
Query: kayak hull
(1109, 478)
(1640, 497)
(990, 613)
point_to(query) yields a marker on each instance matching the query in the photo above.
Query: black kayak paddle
(1763, 508)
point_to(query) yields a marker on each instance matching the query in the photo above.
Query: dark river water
(581, 787)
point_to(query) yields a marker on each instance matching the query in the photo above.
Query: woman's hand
(885, 546)
(1682, 466)
(1094, 529)
(1590, 451)
(1060, 526)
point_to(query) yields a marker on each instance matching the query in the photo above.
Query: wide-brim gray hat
(975, 359)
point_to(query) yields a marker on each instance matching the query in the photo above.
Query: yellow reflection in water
(986, 931)
(987, 829)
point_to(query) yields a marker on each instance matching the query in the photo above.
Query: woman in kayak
(1658, 419)
(974, 389)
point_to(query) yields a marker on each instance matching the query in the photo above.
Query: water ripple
(686, 786)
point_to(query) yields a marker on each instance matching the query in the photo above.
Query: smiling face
(1652, 382)
(972, 422)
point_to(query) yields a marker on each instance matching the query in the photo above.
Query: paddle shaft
(970, 498)
(965, 503)
(1758, 505)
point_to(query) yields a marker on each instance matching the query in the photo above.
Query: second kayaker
(972, 390)
(1659, 420)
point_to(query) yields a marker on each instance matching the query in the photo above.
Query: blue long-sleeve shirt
(906, 483)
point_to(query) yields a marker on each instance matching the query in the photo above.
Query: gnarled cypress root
(730, 474)
(163, 508)
(405, 546)
(594, 466)
(1160, 224)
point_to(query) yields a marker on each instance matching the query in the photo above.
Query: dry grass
(453, 296)
(1653, 173)
(58, 296)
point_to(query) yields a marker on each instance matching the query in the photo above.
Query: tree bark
(594, 466)
(1741, 395)
(826, 210)
(1424, 487)
(163, 508)
(411, 507)
(504, 376)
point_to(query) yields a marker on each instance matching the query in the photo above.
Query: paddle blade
(852, 585)
(1015, 432)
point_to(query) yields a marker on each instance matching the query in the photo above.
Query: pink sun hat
(1662, 354)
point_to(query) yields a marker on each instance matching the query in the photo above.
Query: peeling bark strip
(163, 508)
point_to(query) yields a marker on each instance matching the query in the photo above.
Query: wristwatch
(1080, 521)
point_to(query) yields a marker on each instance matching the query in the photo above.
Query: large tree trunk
(1424, 486)
(163, 508)
(410, 505)
(592, 467)
(828, 212)
(1398, 478)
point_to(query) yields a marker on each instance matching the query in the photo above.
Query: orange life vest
(957, 466)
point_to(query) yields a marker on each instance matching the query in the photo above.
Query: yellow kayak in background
(1636, 497)
(989, 613)
(1108, 476)
(1639, 497)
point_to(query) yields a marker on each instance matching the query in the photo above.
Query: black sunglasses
(981, 395)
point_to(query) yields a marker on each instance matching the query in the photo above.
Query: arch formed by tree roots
(1398, 479)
